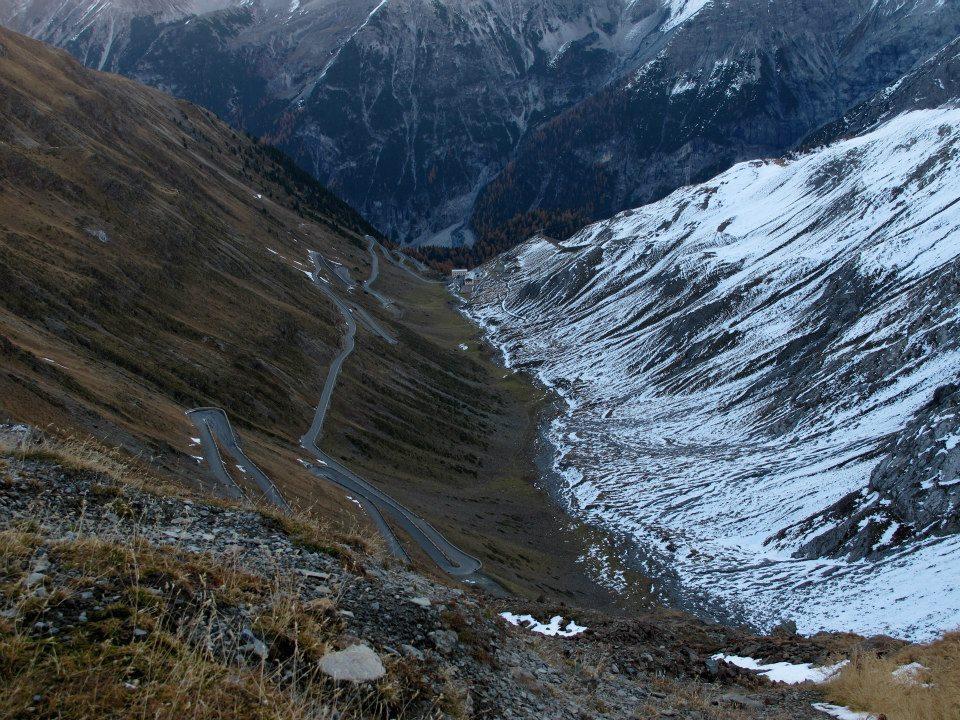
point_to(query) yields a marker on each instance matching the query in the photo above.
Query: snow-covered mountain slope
(761, 378)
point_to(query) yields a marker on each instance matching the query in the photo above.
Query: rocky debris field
(92, 561)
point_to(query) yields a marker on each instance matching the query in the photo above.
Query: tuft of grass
(351, 545)
(70, 452)
(156, 647)
(868, 683)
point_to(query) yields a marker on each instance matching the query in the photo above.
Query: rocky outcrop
(913, 493)
(741, 80)
(515, 115)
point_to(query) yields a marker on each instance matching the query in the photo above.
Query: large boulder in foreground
(358, 664)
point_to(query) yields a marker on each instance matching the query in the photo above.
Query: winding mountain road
(400, 260)
(447, 556)
(211, 454)
(214, 427)
(213, 424)
(374, 274)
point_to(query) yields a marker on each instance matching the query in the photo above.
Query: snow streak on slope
(737, 357)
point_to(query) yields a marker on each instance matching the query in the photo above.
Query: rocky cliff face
(552, 112)
(740, 80)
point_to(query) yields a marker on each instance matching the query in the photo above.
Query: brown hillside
(151, 261)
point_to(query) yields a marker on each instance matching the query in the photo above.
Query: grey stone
(445, 641)
(412, 652)
(740, 700)
(357, 664)
(254, 646)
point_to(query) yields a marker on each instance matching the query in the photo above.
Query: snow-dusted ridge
(758, 372)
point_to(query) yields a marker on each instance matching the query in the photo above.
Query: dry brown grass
(352, 543)
(70, 452)
(868, 683)
(183, 667)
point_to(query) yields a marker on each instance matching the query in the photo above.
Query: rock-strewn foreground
(118, 595)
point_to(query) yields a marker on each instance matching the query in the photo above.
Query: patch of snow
(784, 672)
(909, 674)
(99, 234)
(683, 85)
(681, 11)
(842, 713)
(552, 628)
(464, 346)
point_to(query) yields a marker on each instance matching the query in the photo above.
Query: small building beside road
(463, 279)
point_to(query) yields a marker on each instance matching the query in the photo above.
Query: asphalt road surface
(445, 554)
(374, 274)
(213, 423)
(211, 453)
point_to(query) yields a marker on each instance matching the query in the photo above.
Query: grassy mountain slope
(153, 261)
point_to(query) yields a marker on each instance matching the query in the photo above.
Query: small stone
(34, 578)
(254, 646)
(421, 601)
(139, 632)
(444, 640)
(357, 664)
(347, 614)
(313, 574)
(785, 628)
(411, 652)
(740, 700)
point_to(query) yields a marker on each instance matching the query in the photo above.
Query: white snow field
(733, 356)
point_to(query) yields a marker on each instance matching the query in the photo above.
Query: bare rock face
(356, 664)
(452, 121)
(914, 491)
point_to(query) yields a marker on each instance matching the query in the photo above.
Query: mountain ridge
(370, 97)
